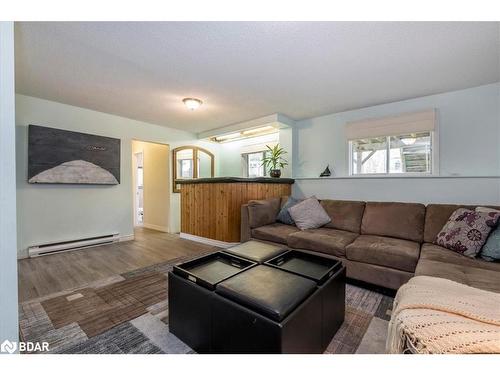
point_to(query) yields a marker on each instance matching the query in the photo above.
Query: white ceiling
(244, 70)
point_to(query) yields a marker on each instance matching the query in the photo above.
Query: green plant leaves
(274, 159)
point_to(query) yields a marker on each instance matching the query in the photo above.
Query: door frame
(135, 168)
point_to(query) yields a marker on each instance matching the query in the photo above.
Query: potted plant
(274, 161)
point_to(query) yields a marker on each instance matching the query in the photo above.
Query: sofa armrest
(245, 232)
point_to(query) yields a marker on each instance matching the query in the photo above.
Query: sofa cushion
(466, 231)
(345, 215)
(276, 232)
(384, 251)
(398, 220)
(475, 277)
(263, 212)
(309, 214)
(438, 253)
(324, 240)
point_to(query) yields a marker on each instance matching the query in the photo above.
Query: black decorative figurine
(326, 172)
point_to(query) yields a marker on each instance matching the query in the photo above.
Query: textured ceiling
(244, 70)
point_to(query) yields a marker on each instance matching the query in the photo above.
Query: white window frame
(434, 160)
(245, 161)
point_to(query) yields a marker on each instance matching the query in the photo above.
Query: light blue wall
(468, 132)
(8, 256)
(48, 213)
(230, 161)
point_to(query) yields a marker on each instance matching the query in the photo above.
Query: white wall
(8, 256)
(230, 163)
(48, 213)
(423, 190)
(469, 126)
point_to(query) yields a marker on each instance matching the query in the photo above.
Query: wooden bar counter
(211, 207)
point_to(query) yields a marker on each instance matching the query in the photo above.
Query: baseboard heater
(82, 243)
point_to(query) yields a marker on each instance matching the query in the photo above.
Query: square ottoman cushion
(267, 290)
(256, 251)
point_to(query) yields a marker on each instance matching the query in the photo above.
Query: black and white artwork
(58, 156)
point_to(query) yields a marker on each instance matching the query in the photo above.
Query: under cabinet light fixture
(263, 130)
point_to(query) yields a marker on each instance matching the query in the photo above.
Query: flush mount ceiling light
(192, 103)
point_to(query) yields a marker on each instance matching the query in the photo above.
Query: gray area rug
(364, 329)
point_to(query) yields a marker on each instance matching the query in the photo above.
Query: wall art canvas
(58, 156)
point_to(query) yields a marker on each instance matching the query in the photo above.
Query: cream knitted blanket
(434, 315)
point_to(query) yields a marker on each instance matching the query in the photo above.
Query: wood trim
(195, 149)
(207, 241)
(213, 210)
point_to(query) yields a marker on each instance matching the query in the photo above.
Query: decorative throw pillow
(466, 231)
(309, 214)
(491, 249)
(284, 215)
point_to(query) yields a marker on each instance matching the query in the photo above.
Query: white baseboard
(23, 254)
(127, 237)
(155, 227)
(208, 241)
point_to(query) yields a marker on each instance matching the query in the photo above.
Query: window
(185, 168)
(191, 162)
(253, 164)
(400, 144)
(406, 153)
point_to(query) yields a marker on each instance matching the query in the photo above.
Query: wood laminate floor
(49, 274)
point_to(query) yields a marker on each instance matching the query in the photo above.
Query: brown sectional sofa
(383, 243)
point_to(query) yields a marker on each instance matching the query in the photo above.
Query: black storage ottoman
(330, 276)
(191, 286)
(222, 303)
(266, 310)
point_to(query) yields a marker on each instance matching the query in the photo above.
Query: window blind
(414, 122)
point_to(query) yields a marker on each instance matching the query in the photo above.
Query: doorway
(139, 189)
(151, 185)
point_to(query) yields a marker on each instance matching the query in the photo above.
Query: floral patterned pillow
(466, 231)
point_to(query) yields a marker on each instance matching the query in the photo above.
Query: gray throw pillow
(491, 249)
(284, 216)
(309, 214)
